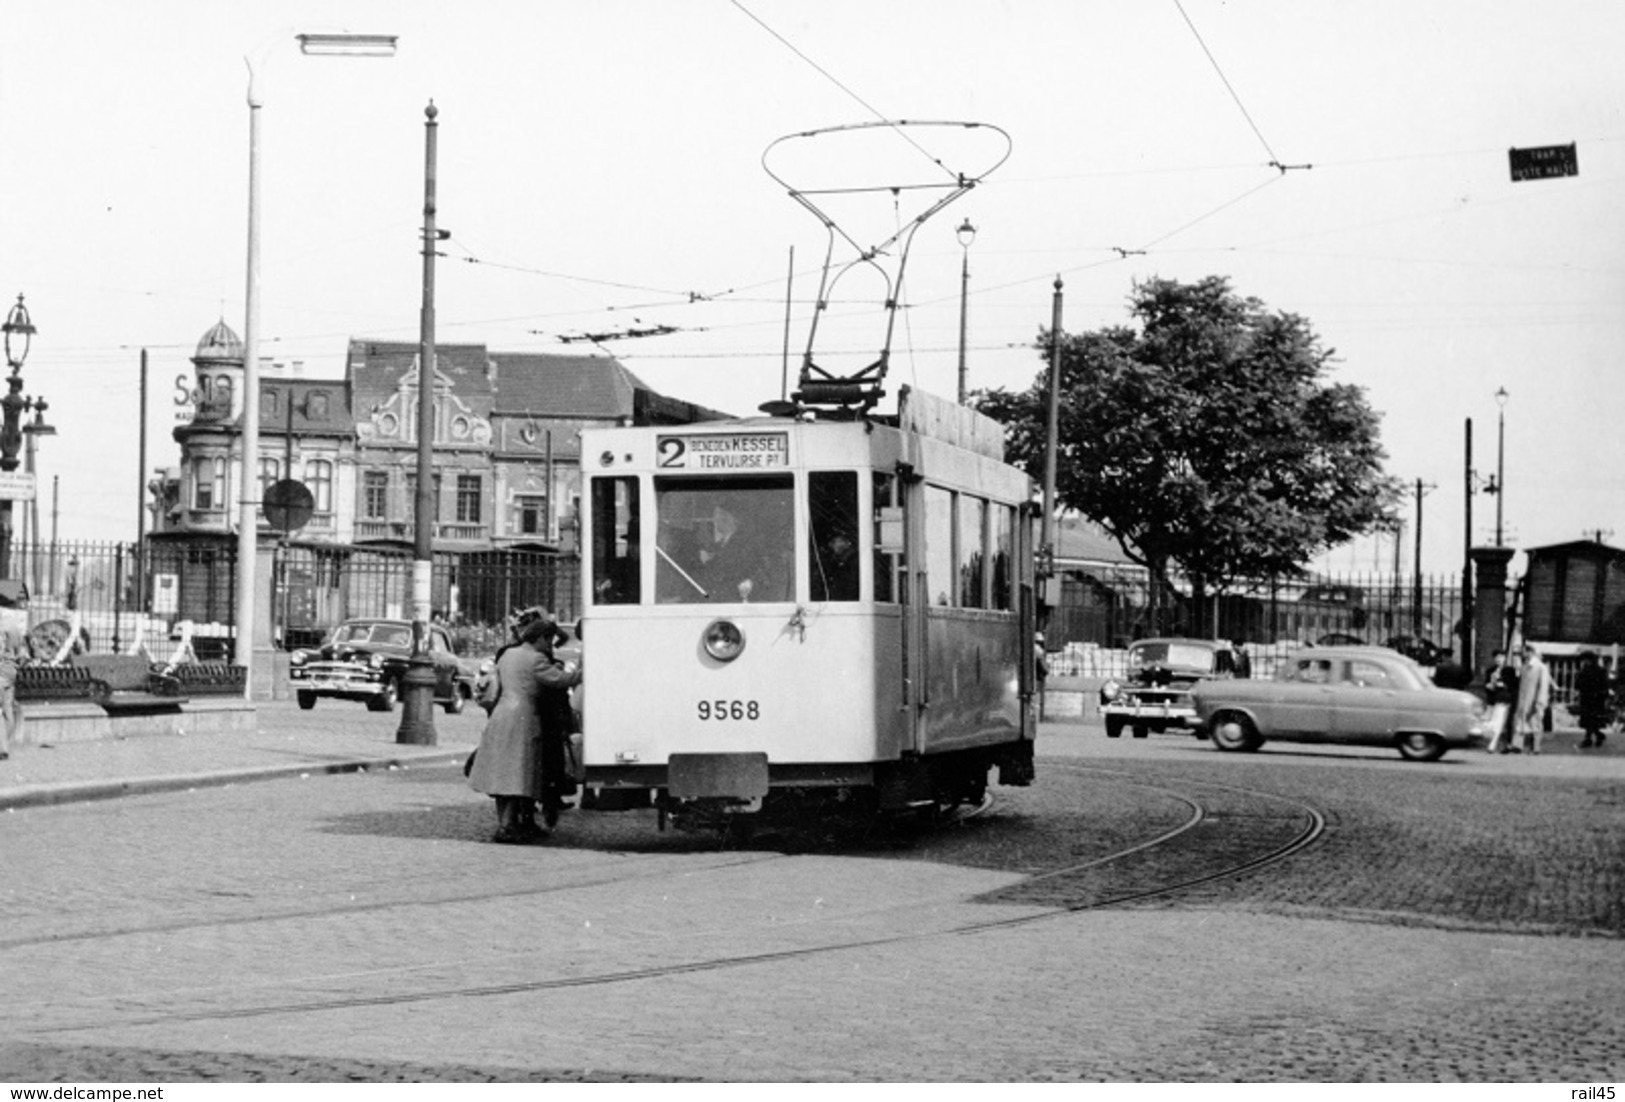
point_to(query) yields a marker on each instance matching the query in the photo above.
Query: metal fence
(126, 597)
(1110, 607)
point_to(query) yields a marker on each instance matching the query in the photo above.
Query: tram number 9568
(721, 710)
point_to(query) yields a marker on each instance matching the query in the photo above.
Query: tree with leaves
(1205, 437)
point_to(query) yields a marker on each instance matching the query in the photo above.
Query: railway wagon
(787, 610)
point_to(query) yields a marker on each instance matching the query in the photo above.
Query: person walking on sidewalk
(1591, 692)
(13, 649)
(1534, 697)
(507, 764)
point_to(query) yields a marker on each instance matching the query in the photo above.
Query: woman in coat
(507, 764)
(1534, 697)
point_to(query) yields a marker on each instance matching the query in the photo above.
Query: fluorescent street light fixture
(348, 45)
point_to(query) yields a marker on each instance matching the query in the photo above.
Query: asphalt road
(1458, 921)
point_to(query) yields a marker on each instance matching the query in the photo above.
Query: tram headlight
(723, 640)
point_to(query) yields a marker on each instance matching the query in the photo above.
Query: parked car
(1339, 639)
(1363, 696)
(365, 659)
(1156, 694)
(1423, 651)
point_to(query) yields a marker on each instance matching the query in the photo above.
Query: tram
(804, 609)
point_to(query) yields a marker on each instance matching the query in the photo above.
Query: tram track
(1265, 829)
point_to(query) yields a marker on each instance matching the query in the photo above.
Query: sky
(600, 170)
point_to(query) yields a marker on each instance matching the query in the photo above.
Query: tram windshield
(725, 540)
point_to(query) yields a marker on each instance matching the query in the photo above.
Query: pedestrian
(1534, 697)
(1244, 664)
(13, 650)
(1501, 691)
(1591, 690)
(508, 765)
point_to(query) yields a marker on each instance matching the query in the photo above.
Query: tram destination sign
(731, 451)
(1544, 162)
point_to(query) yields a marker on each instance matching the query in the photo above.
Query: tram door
(913, 590)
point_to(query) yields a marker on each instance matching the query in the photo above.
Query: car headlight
(297, 658)
(1110, 691)
(723, 640)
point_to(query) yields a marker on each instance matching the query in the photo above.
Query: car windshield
(1174, 655)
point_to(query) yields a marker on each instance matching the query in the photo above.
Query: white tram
(785, 609)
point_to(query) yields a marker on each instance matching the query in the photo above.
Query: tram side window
(941, 585)
(1004, 541)
(972, 532)
(615, 576)
(886, 563)
(832, 535)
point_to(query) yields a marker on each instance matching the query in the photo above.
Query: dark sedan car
(364, 659)
(1365, 696)
(1155, 694)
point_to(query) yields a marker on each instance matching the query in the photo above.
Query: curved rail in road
(1252, 830)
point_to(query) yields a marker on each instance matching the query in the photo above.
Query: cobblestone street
(359, 926)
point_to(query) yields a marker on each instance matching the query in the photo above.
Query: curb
(67, 792)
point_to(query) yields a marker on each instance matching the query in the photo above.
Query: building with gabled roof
(506, 444)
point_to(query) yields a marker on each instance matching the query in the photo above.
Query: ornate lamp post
(967, 235)
(19, 334)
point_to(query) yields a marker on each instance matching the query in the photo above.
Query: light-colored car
(1363, 696)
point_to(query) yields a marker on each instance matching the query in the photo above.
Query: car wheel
(1417, 746)
(384, 701)
(306, 698)
(1234, 731)
(1114, 727)
(454, 706)
(1141, 730)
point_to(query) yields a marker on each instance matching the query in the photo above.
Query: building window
(209, 484)
(319, 479)
(375, 495)
(316, 407)
(270, 471)
(468, 499)
(268, 402)
(532, 514)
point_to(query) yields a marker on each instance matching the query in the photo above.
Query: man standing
(13, 649)
(1534, 697)
(1501, 689)
(1591, 691)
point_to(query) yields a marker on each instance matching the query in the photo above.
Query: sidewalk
(332, 738)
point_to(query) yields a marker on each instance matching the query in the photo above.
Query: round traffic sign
(289, 504)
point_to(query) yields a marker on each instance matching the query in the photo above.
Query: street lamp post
(248, 497)
(417, 696)
(19, 335)
(967, 235)
(1501, 397)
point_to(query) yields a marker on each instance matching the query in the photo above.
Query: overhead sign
(1544, 162)
(16, 486)
(733, 451)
